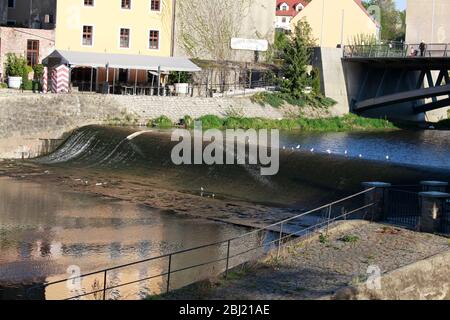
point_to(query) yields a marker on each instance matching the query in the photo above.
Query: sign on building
(249, 44)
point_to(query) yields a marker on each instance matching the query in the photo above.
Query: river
(46, 233)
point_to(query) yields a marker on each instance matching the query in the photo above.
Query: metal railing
(258, 242)
(207, 90)
(403, 207)
(397, 50)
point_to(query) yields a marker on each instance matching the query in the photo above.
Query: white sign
(249, 44)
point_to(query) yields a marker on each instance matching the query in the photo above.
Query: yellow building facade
(336, 23)
(138, 27)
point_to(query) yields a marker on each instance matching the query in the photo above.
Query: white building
(286, 11)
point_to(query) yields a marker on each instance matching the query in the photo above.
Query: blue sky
(401, 4)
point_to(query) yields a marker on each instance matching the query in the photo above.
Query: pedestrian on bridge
(422, 48)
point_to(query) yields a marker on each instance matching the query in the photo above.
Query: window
(284, 7)
(11, 23)
(124, 38)
(88, 35)
(154, 39)
(32, 52)
(126, 4)
(155, 5)
(283, 19)
(11, 4)
(89, 3)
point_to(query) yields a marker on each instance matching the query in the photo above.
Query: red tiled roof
(292, 4)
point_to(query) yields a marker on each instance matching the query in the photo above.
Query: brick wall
(14, 40)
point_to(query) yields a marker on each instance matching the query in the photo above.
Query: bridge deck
(402, 97)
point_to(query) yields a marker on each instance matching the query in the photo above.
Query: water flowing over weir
(305, 178)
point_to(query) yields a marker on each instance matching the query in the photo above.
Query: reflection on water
(43, 232)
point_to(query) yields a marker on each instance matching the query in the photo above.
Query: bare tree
(205, 27)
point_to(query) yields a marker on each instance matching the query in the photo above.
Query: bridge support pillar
(432, 204)
(378, 197)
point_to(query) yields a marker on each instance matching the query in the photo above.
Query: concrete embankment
(356, 260)
(31, 124)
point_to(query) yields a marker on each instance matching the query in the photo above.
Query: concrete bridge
(398, 81)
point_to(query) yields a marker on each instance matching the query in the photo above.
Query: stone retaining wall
(26, 119)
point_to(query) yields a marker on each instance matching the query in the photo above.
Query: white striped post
(45, 80)
(60, 79)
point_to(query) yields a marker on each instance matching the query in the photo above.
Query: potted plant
(15, 68)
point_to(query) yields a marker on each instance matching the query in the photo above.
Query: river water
(46, 233)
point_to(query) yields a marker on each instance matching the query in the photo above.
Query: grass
(323, 238)
(350, 239)
(277, 99)
(348, 122)
(162, 122)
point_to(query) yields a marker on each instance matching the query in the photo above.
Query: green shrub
(161, 122)
(272, 99)
(211, 122)
(16, 66)
(3, 85)
(350, 239)
(38, 71)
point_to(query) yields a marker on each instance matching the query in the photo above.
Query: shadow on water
(336, 167)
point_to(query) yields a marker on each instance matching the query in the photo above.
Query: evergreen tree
(297, 58)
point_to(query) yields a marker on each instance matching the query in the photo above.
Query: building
(3, 12)
(336, 23)
(286, 11)
(37, 14)
(115, 42)
(427, 21)
(34, 44)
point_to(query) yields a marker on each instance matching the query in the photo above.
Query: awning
(121, 61)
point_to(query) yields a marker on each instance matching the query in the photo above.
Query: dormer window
(299, 7)
(284, 7)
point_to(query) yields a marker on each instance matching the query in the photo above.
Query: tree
(297, 58)
(205, 27)
(392, 21)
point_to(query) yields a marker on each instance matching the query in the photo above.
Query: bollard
(379, 196)
(432, 204)
(438, 186)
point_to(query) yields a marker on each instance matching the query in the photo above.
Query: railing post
(228, 258)
(329, 217)
(279, 240)
(168, 274)
(104, 285)
(378, 197)
(432, 210)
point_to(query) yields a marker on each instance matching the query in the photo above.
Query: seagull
(360, 155)
(312, 150)
(298, 147)
(284, 147)
(329, 151)
(346, 152)
(202, 189)
(387, 157)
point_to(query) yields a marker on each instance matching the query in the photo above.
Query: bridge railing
(396, 50)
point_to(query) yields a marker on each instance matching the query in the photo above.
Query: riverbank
(337, 266)
(345, 123)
